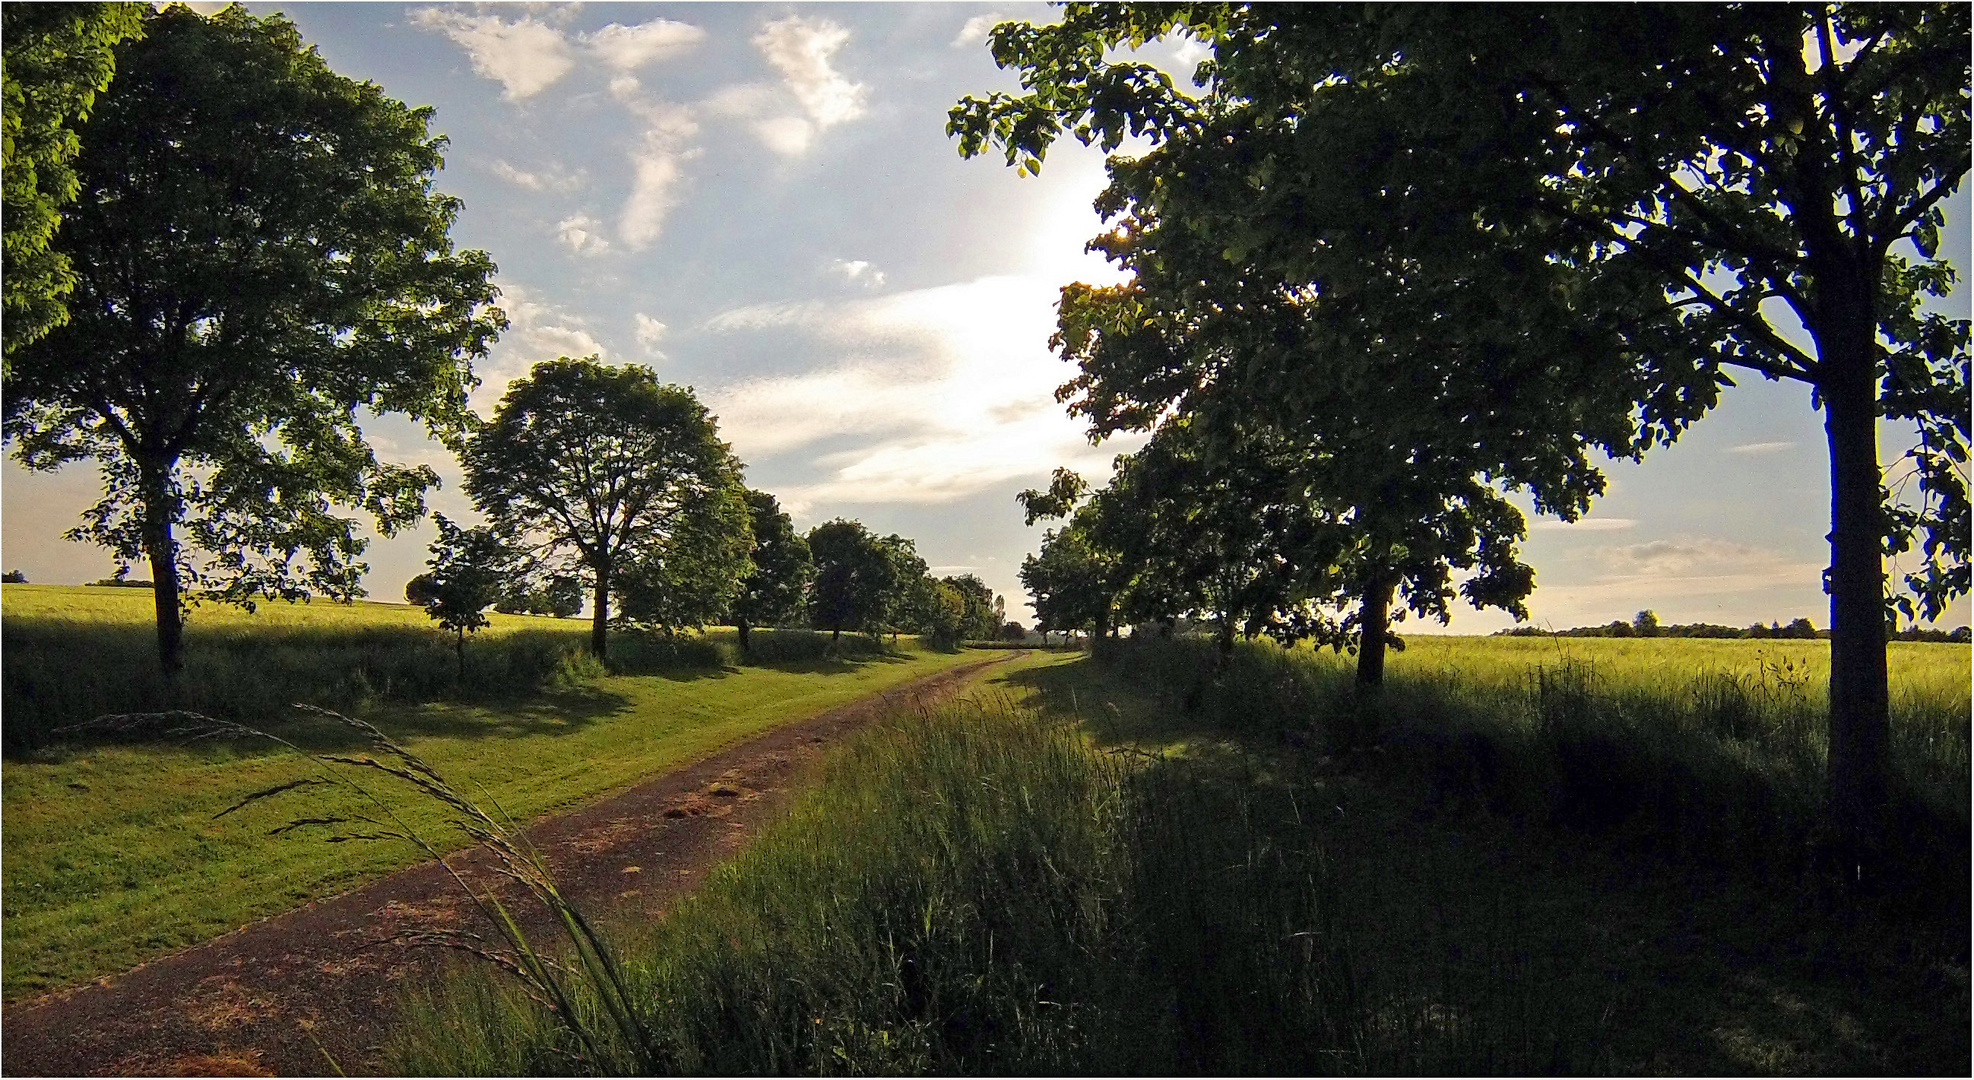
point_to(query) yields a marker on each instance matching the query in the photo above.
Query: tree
(856, 578)
(694, 572)
(1068, 582)
(470, 570)
(1645, 623)
(14, 577)
(1013, 631)
(594, 467)
(913, 600)
(259, 255)
(58, 58)
(558, 595)
(945, 614)
(775, 587)
(420, 590)
(981, 610)
(1754, 187)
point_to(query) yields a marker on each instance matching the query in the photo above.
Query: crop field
(1081, 873)
(113, 855)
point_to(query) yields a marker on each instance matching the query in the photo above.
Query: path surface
(285, 995)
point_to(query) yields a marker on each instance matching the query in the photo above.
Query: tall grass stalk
(585, 971)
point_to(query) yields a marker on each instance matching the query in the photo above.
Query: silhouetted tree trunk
(740, 625)
(162, 550)
(600, 621)
(1859, 691)
(459, 646)
(1374, 630)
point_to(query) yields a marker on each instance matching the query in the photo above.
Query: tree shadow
(1111, 713)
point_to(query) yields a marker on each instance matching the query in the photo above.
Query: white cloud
(1684, 579)
(536, 331)
(528, 56)
(1679, 557)
(942, 392)
(649, 333)
(1761, 448)
(656, 164)
(858, 270)
(789, 136)
(1588, 524)
(742, 101)
(581, 234)
(974, 32)
(802, 50)
(754, 317)
(627, 48)
(525, 56)
(552, 178)
(656, 171)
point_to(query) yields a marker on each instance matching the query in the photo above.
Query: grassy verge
(112, 856)
(77, 652)
(1279, 878)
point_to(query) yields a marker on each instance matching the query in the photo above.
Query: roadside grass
(113, 856)
(73, 653)
(1097, 879)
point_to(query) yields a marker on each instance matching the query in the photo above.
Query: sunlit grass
(112, 855)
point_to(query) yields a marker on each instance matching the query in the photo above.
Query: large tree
(780, 569)
(600, 467)
(1744, 187)
(856, 578)
(260, 258)
(58, 58)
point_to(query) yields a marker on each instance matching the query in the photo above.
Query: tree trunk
(1374, 630)
(600, 621)
(1859, 720)
(162, 549)
(1226, 642)
(835, 635)
(741, 626)
(459, 647)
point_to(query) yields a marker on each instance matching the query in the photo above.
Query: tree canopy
(857, 579)
(470, 570)
(58, 58)
(259, 258)
(777, 582)
(1681, 191)
(606, 470)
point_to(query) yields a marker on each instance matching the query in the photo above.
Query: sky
(760, 201)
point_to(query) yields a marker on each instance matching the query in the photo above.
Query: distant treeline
(1646, 624)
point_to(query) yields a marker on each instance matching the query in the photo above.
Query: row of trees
(603, 480)
(222, 257)
(1389, 264)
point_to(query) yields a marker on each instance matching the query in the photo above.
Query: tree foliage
(857, 580)
(470, 570)
(608, 473)
(693, 573)
(1677, 191)
(260, 257)
(58, 57)
(777, 582)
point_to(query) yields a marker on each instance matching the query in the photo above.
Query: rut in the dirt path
(314, 990)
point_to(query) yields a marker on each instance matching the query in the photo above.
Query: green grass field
(112, 853)
(1092, 876)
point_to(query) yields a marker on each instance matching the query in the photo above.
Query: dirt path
(276, 996)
